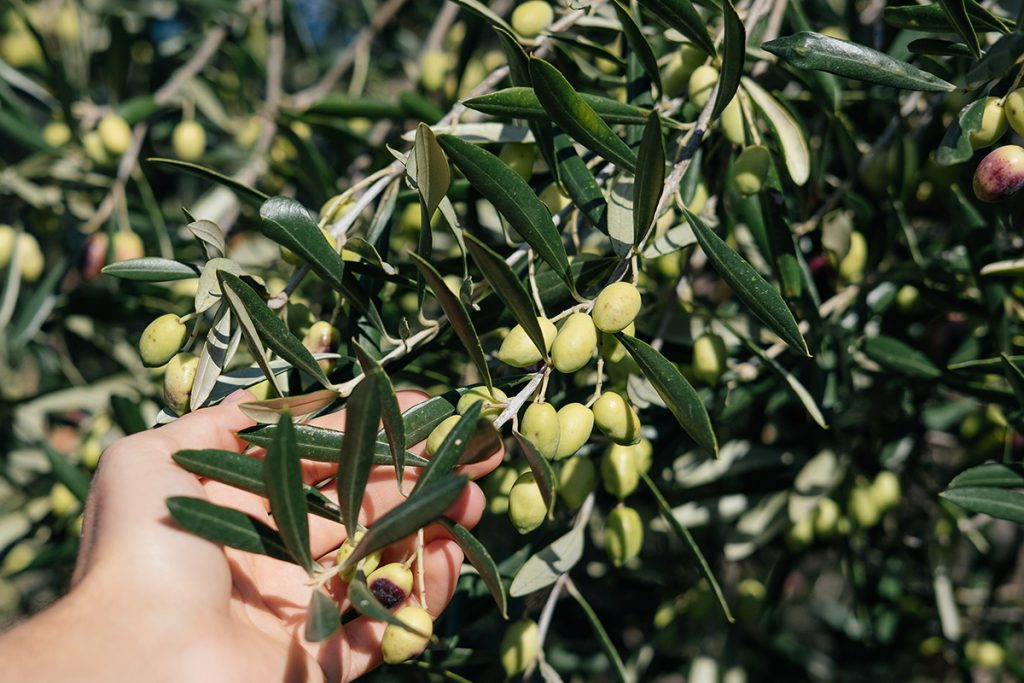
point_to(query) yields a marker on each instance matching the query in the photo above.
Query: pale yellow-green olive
(496, 487)
(540, 426)
(400, 644)
(908, 299)
(732, 123)
(90, 452)
(115, 133)
(576, 480)
(575, 343)
(826, 518)
(434, 68)
(552, 197)
(619, 473)
(496, 401)
(993, 124)
(370, 562)
(7, 238)
(1000, 174)
(128, 245)
(92, 145)
(519, 351)
(700, 198)
(702, 84)
(161, 339)
(56, 133)
(519, 157)
(322, 337)
(801, 534)
(862, 507)
(885, 490)
(30, 258)
(390, 583)
(519, 646)
(615, 417)
(1014, 108)
(709, 358)
(526, 508)
(189, 140)
(440, 433)
(750, 169)
(851, 268)
(62, 501)
(623, 535)
(612, 349)
(616, 307)
(532, 17)
(19, 48)
(19, 557)
(333, 209)
(179, 377)
(575, 423)
(985, 653)
(679, 69)
(642, 453)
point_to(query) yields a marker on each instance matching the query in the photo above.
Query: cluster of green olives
(29, 256)
(867, 503)
(1000, 174)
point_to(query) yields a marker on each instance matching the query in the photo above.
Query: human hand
(160, 602)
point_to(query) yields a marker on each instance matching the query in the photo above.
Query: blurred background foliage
(832, 544)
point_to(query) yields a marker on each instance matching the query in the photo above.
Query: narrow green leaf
(684, 535)
(323, 618)
(322, 445)
(618, 667)
(541, 469)
(789, 133)
(390, 411)
(513, 198)
(892, 354)
(997, 61)
(1014, 376)
(250, 194)
(761, 298)
(478, 556)
(991, 474)
(421, 419)
(484, 12)
(577, 118)
(356, 459)
(999, 503)
(681, 15)
(269, 326)
(638, 43)
(545, 566)
(938, 47)
(450, 452)
(579, 182)
(734, 52)
(458, 316)
(433, 177)
(808, 50)
(956, 146)
(63, 471)
(781, 247)
(932, 19)
(268, 411)
(363, 601)
(956, 12)
(282, 477)
(227, 527)
(521, 103)
(650, 178)
(678, 394)
(508, 288)
(151, 269)
(414, 513)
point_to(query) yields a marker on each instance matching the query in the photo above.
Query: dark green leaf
(935, 46)
(450, 452)
(998, 60)
(956, 144)
(956, 12)
(433, 177)
(478, 556)
(513, 198)
(763, 300)
(322, 618)
(227, 527)
(999, 503)
(734, 52)
(577, 118)
(638, 43)
(541, 469)
(249, 194)
(522, 103)
(421, 419)
(151, 269)
(579, 182)
(618, 668)
(356, 460)
(282, 478)
(390, 411)
(414, 513)
(363, 601)
(322, 445)
(991, 474)
(650, 178)
(272, 331)
(681, 15)
(892, 354)
(1014, 376)
(931, 18)
(807, 50)
(677, 393)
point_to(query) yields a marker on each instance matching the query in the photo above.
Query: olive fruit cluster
(29, 255)
(1000, 174)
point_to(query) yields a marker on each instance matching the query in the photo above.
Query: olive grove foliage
(736, 284)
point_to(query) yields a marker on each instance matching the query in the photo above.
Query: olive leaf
(541, 468)
(650, 179)
(151, 269)
(522, 103)
(282, 478)
(478, 556)
(995, 502)
(356, 454)
(323, 618)
(248, 194)
(734, 51)
(390, 411)
(681, 15)
(227, 527)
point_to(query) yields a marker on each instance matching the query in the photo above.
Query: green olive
(732, 123)
(863, 508)
(519, 646)
(496, 401)
(575, 344)
(576, 480)
(115, 133)
(641, 452)
(851, 268)
(127, 246)
(434, 70)
(985, 653)
(709, 358)
(702, 84)
(189, 140)
(62, 501)
(801, 534)
(56, 134)
(440, 433)
(7, 237)
(623, 535)
(552, 197)
(750, 169)
(541, 426)
(532, 17)
(612, 349)
(1014, 108)
(92, 145)
(619, 472)
(826, 518)
(993, 124)
(616, 307)
(616, 418)
(885, 490)
(400, 644)
(390, 584)
(179, 376)
(575, 423)
(30, 258)
(370, 562)
(908, 299)
(519, 156)
(518, 350)
(677, 73)
(91, 451)
(333, 209)
(526, 508)
(322, 337)
(161, 339)
(496, 487)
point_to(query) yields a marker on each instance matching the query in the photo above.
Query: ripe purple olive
(390, 584)
(1000, 174)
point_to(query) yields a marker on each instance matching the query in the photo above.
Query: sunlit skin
(195, 611)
